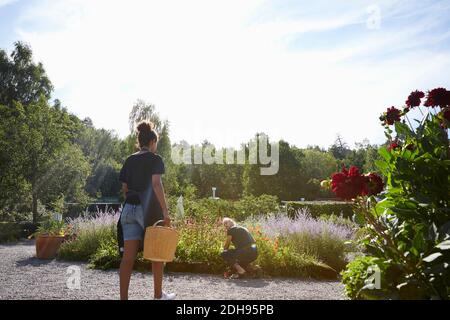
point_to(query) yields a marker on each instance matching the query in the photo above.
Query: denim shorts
(132, 220)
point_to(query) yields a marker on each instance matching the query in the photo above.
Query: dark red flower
(392, 115)
(438, 97)
(394, 145)
(348, 184)
(414, 98)
(410, 147)
(374, 183)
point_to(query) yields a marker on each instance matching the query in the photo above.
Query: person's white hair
(228, 222)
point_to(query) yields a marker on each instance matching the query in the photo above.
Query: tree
(288, 184)
(38, 146)
(144, 111)
(339, 149)
(21, 79)
(318, 164)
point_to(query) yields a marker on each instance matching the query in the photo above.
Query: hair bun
(146, 133)
(144, 126)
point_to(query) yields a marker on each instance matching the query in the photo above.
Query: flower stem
(410, 125)
(420, 109)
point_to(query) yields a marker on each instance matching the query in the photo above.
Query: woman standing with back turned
(145, 204)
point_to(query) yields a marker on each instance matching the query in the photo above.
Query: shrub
(355, 276)
(318, 208)
(201, 241)
(279, 258)
(107, 255)
(304, 235)
(215, 208)
(408, 232)
(89, 233)
(9, 231)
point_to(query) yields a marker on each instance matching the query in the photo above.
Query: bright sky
(224, 70)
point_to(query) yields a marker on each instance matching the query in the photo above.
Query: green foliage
(21, 79)
(106, 256)
(217, 208)
(317, 208)
(87, 241)
(51, 227)
(288, 184)
(322, 247)
(9, 232)
(356, 278)
(318, 164)
(201, 241)
(38, 152)
(339, 149)
(408, 231)
(287, 262)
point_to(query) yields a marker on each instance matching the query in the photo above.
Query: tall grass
(89, 232)
(319, 238)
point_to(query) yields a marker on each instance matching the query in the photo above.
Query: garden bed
(317, 208)
(303, 247)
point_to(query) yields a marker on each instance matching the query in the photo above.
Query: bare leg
(126, 266)
(158, 271)
(239, 269)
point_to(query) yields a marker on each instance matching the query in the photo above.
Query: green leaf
(402, 129)
(383, 166)
(359, 219)
(432, 257)
(384, 205)
(385, 154)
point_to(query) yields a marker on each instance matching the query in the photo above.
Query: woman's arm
(124, 188)
(159, 191)
(227, 243)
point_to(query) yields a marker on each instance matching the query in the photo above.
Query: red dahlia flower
(374, 183)
(438, 97)
(393, 146)
(414, 98)
(392, 115)
(348, 184)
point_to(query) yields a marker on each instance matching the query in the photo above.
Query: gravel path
(22, 276)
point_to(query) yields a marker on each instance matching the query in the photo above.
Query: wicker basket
(160, 243)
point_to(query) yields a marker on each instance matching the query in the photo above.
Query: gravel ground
(22, 276)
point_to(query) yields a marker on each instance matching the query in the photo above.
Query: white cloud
(217, 76)
(6, 2)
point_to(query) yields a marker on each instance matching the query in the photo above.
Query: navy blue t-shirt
(137, 173)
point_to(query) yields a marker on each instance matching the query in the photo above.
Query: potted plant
(49, 236)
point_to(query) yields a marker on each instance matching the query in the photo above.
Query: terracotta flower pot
(47, 246)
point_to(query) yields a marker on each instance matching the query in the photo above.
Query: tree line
(50, 157)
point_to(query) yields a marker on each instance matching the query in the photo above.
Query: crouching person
(244, 252)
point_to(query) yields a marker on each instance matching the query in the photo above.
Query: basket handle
(154, 225)
(157, 222)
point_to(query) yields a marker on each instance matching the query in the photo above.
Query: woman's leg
(238, 268)
(229, 256)
(158, 271)
(244, 257)
(126, 266)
